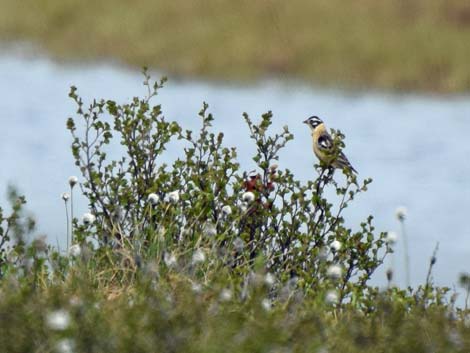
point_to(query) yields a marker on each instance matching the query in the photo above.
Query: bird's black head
(313, 121)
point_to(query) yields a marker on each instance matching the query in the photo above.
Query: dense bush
(201, 255)
(206, 202)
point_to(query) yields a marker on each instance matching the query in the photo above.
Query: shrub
(275, 221)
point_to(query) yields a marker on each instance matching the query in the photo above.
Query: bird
(324, 146)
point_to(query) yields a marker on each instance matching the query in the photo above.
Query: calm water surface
(416, 148)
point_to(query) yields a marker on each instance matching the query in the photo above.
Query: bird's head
(313, 122)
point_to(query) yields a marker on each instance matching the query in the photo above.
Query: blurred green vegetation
(389, 44)
(198, 256)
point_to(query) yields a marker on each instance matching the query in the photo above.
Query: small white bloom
(170, 259)
(58, 320)
(73, 180)
(75, 250)
(266, 304)
(269, 279)
(391, 238)
(65, 196)
(88, 218)
(248, 197)
(243, 207)
(331, 297)
(401, 213)
(335, 245)
(227, 210)
(65, 345)
(174, 196)
(334, 271)
(199, 256)
(225, 295)
(153, 199)
(238, 244)
(209, 229)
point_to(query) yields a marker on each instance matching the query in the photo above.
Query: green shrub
(275, 221)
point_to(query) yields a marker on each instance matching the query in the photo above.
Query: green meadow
(413, 45)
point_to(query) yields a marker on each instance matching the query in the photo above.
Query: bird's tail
(342, 162)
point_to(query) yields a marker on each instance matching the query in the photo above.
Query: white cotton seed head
(196, 287)
(269, 279)
(88, 218)
(209, 229)
(75, 250)
(391, 238)
(174, 196)
(334, 272)
(73, 180)
(248, 197)
(227, 210)
(401, 213)
(226, 295)
(198, 256)
(335, 245)
(238, 244)
(65, 345)
(331, 297)
(65, 196)
(153, 199)
(58, 320)
(266, 304)
(170, 260)
(322, 254)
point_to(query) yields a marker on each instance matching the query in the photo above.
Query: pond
(415, 147)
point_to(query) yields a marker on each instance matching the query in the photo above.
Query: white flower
(269, 279)
(153, 199)
(88, 218)
(65, 345)
(248, 197)
(391, 238)
(58, 320)
(225, 295)
(227, 210)
(401, 213)
(174, 196)
(198, 256)
(170, 259)
(75, 250)
(243, 207)
(73, 180)
(266, 304)
(331, 297)
(65, 196)
(334, 271)
(335, 245)
(209, 229)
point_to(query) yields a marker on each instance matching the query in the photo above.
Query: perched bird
(324, 146)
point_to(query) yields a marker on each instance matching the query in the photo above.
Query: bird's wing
(325, 142)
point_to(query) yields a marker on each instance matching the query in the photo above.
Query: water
(415, 147)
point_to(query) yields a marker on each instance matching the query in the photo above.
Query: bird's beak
(305, 121)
